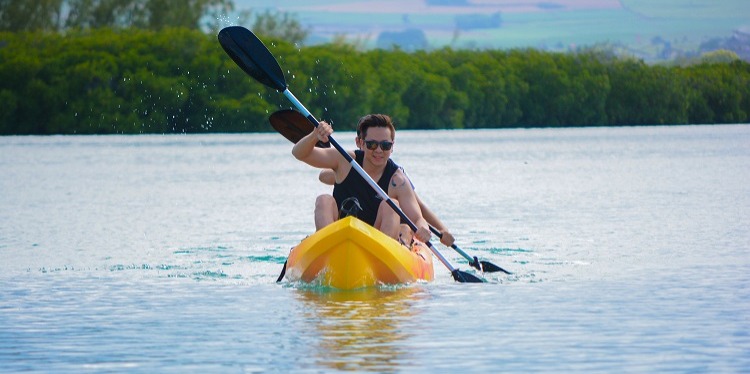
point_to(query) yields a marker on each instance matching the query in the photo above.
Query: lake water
(629, 249)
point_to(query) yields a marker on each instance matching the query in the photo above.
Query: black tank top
(354, 185)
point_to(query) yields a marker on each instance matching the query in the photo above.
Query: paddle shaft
(383, 195)
(454, 246)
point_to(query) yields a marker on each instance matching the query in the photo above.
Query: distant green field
(590, 27)
(691, 9)
(685, 24)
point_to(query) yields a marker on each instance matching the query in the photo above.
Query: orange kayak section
(350, 254)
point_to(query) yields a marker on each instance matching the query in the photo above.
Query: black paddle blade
(489, 267)
(283, 272)
(475, 264)
(252, 56)
(486, 266)
(293, 126)
(464, 277)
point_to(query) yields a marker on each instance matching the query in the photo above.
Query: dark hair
(375, 120)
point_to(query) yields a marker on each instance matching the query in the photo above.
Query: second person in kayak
(374, 140)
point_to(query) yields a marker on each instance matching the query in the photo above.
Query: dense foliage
(180, 80)
(60, 15)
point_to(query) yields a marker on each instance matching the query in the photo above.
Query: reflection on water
(362, 330)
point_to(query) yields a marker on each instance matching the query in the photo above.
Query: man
(327, 176)
(374, 140)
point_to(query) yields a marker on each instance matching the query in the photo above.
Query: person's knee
(386, 211)
(326, 204)
(325, 211)
(324, 201)
(388, 219)
(385, 206)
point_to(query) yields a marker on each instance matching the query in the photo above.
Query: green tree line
(130, 80)
(66, 15)
(59, 15)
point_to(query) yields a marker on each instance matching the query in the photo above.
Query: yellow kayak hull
(350, 254)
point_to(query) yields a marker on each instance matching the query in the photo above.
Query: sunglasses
(373, 145)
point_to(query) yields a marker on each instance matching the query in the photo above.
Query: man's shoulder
(391, 167)
(398, 178)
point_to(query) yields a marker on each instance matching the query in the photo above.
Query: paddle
(484, 266)
(294, 126)
(256, 60)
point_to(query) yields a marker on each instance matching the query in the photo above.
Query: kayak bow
(350, 254)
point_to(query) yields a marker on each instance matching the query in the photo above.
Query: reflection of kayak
(349, 254)
(361, 330)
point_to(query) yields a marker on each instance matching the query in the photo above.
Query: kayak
(350, 254)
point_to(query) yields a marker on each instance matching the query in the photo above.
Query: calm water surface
(629, 248)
